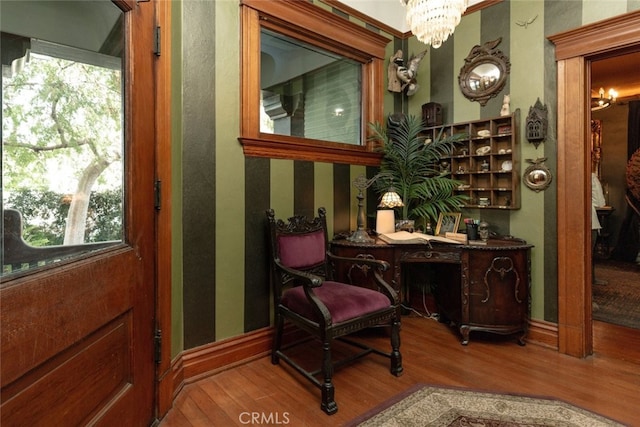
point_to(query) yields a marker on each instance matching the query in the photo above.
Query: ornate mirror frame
(487, 54)
(537, 176)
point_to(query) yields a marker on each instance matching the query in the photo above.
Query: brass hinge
(157, 188)
(156, 41)
(157, 342)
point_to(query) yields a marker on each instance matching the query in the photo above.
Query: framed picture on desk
(448, 223)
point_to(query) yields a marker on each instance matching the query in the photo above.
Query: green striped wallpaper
(222, 269)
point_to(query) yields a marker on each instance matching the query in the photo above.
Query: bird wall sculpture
(402, 78)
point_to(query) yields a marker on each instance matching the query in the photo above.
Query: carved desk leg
(464, 331)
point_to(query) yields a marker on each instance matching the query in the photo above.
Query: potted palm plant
(412, 165)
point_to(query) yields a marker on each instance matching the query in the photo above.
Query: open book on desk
(404, 237)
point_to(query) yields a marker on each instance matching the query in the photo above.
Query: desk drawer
(443, 254)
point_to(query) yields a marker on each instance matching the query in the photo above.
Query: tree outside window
(62, 142)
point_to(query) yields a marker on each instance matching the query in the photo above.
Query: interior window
(312, 81)
(307, 91)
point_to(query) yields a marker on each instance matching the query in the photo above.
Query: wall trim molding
(177, 376)
(543, 333)
(209, 359)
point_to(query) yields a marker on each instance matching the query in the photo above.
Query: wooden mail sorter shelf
(486, 160)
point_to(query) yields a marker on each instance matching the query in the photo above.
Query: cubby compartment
(486, 160)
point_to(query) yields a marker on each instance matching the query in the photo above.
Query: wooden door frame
(164, 378)
(574, 50)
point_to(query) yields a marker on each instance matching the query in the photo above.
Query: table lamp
(386, 218)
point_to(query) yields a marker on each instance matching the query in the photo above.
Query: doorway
(574, 49)
(615, 83)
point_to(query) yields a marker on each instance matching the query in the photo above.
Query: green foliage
(104, 218)
(62, 132)
(411, 165)
(62, 113)
(44, 216)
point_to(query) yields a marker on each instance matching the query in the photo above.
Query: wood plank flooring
(607, 382)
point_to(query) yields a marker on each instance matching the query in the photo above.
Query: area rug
(449, 407)
(617, 299)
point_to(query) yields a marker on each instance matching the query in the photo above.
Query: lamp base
(360, 236)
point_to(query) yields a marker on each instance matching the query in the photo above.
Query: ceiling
(389, 12)
(620, 72)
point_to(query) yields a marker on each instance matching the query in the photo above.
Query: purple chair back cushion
(343, 301)
(302, 250)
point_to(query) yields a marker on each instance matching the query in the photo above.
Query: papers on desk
(404, 237)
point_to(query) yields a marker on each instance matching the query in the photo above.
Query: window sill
(281, 147)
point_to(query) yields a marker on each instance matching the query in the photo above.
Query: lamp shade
(391, 200)
(385, 221)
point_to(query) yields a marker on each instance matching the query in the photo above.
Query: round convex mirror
(483, 77)
(537, 176)
(484, 72)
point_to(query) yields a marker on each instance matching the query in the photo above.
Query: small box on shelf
(504, 129)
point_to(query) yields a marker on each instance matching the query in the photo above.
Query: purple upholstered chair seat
(343, 301)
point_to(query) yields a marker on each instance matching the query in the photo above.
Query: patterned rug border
(617, 300)
(417, 387)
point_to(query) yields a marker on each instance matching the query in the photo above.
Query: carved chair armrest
(378, 266)
(308, 281)
(386, 288)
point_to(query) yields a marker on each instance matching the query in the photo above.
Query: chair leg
(277, 339)
(328, 404)
(396, 357)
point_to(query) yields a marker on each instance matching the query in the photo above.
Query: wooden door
(77, 335)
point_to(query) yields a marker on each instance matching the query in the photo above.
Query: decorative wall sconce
(537, 122)
(602, 101)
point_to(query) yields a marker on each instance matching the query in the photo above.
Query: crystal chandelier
(433, 21)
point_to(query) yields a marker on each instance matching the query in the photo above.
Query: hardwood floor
(607, 382)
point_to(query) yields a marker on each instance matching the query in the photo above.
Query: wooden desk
(479, 287)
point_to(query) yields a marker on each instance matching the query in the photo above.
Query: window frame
(311, 24)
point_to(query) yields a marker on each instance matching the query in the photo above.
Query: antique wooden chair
(306, 295)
